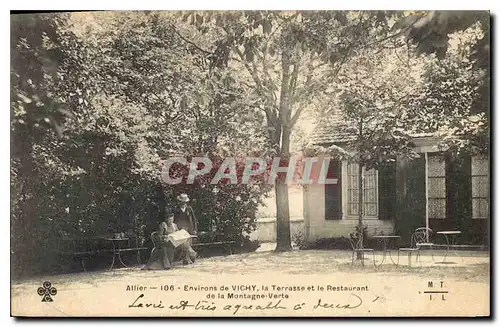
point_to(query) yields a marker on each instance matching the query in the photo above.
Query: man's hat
(183, 197)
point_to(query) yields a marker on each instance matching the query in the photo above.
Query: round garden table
(384, 239)
(117, 250)
(450, 236)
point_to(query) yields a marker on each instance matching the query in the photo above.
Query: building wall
(317, 227)
(266, 229)
(266, 216)
(411, 202)
(307, 208)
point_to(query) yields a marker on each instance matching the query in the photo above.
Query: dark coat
(186, 220)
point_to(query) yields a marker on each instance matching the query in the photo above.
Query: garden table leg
(114, 256)
(383, 241)
(120, 258)
(447, 247)
(390, 257)
(138, 257)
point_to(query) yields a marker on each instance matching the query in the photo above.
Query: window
(479, 176)
(370, 191)
(436, 170)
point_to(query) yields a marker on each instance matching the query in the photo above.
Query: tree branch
(395, 34)
(258, 83)
(284, 112)
(308, 85)
(252, 73)
(190, 42)
(293, 80)
(267, 77)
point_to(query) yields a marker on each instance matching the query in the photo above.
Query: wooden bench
(213, 239)
(196, 244)
(226, 244)
(78, 248)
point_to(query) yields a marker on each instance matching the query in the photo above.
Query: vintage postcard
(250, 164)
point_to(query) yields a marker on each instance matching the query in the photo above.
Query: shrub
(225, 208)
(338, 243)
(299, 239)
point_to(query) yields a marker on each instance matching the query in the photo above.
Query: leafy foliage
(449, 100)
(133, 95)
(49, 76)
(433, 33)
(285, 61)
(386, 97)
(376, 98)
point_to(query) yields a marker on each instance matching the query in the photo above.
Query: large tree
(286, 60)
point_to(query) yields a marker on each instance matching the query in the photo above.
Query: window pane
(436, 166)
(370, 200)
(480, 208)
(484, 208)
(437, 208)
(354, 196)
(437, 187)
(354, 182)
(370, 172)
(352, 169)
(479, 166)
(354, 208)
(480, 186)
(370, 185)
(368, 180)
(371, 209)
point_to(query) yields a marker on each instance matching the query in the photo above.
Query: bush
(299, 239)
(250, 246)
(328, 243)
(214, 250)
(225, 208)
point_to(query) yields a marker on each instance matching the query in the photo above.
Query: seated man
(185, 218)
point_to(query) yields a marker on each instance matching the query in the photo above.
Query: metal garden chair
(419, 239)
(356, 240)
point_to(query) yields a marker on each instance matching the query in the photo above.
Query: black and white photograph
(250, 163)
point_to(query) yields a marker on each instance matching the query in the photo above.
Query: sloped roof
(330, 134)
(335, 131)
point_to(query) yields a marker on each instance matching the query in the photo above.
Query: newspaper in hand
(179, 237)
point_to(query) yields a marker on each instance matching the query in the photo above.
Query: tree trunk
(283, 237)
(360, 195)
(360, 206)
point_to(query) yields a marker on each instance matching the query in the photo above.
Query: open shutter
(458, 190)
(333, 192)
(387, 192)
